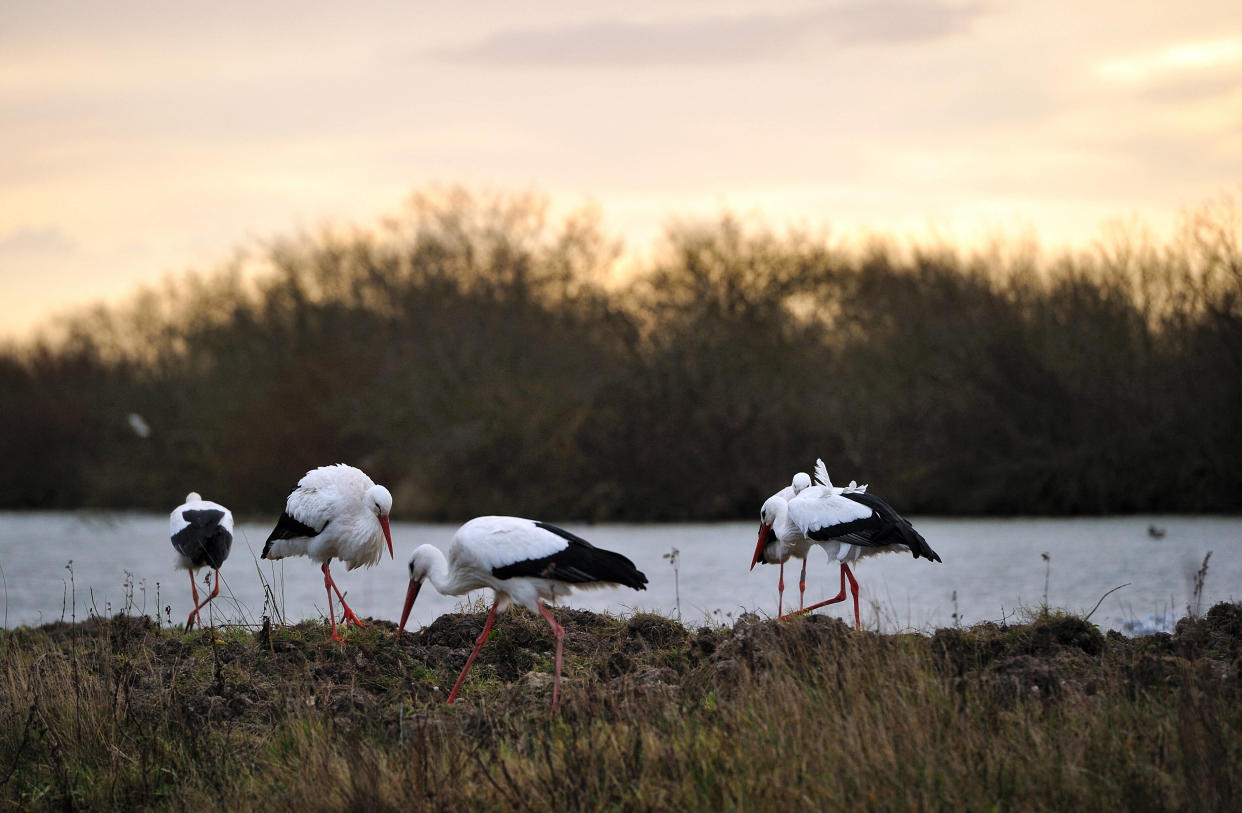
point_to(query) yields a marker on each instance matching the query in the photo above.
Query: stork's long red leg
(559, 633)
(347, 615)
(328, 586)
(189, 622)
(802, 586)
(215, 591)
(838, 597)
(478, 644)
(854, 588)
(780, 590)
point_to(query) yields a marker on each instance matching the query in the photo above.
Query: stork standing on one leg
(523, 562)
(202, 534)
(336, 512)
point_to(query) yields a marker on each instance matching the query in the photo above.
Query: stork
(848, 523)
(336, 512)
(777, 551)
(774, 549)
(202, 534)
(524, 562)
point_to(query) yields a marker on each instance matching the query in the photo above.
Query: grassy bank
(808, 714)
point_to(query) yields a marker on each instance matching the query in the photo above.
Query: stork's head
(420, 565)
(379, 500)
(801, 481)
(768, 515)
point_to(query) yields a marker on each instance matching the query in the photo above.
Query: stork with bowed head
(524, 562)
(336, 512)
(847, 523)
(202, 534)
(773, 548)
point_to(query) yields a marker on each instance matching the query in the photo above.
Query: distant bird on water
(202, 534)
(523, 562)
(848, 524)
(335, 512)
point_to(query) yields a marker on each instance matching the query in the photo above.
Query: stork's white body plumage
(195, 534)
(336, 502)
(336, 512)
(524, 562)
(485, 545)
(202, 535)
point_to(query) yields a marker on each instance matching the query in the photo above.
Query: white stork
(774, 548)
(524, 562)
(335, 512)
(847, 522)
(202, 534)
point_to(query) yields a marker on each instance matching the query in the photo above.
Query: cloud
(28, 241)
(1204, 74)
(719, 40)
(1180, 59)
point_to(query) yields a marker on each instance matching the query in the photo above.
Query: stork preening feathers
(848, 523)
(336, 512)
(777, 550)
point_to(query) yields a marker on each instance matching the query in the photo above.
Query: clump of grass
(1196, 601)
(672, 557)
(122, 713)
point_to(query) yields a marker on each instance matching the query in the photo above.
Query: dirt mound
(962, 650)
(654, 631)
(1217, 634)
(1059, 656)
(251, 678)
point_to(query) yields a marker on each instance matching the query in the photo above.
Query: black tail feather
(902, 532)
(895, 529)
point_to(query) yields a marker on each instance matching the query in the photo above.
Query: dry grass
(805, 715)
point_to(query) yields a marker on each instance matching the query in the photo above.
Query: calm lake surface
(992, 569)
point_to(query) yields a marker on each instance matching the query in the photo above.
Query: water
(994, 567)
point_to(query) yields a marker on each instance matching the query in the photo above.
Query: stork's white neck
(430, 564)
(781, 523)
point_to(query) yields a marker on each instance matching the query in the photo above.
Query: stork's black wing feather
(203, 541)
(884, 526)
(862, 529)
(892, 528)
(289, 528)
(579, 563)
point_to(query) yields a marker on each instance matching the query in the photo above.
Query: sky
(139, 140)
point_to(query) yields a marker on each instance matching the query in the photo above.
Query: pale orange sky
(142, 139)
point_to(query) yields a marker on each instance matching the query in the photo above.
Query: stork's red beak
(765, 531)
(410, 595)
(387, 534)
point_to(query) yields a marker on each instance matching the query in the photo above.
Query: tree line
(478, 356)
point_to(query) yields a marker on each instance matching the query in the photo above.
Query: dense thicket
(479, 357)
